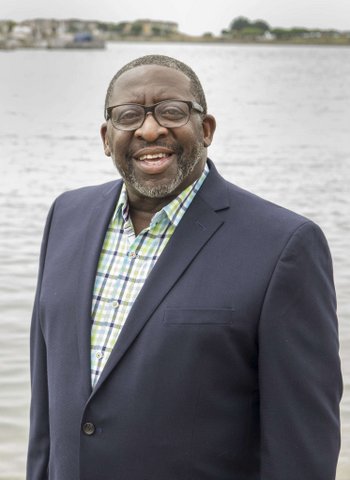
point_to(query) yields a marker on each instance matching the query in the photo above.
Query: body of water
(283, 117)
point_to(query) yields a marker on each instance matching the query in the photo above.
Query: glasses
(168, 113)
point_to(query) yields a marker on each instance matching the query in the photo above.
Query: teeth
(155, 155)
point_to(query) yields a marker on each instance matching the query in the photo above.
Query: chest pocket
(199, 316)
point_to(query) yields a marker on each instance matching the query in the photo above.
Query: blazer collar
(93, 237)
(214, 190)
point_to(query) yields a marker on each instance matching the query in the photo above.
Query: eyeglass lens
(170, 113)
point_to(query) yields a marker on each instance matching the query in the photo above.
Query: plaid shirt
(124, 265)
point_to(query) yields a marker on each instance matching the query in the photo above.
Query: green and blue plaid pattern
(124, 265)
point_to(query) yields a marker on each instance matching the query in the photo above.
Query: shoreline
(219, 41)
(270, 43)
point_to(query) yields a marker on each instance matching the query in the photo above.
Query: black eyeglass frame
(151, 108)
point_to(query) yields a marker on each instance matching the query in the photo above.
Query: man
(183, 328)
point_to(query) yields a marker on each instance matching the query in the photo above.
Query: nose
(150, 130)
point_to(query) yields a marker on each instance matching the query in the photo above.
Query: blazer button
(89, 428)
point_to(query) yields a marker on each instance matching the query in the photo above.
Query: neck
(142, 209)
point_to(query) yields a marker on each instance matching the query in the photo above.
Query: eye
(173, 111)
(126, 114)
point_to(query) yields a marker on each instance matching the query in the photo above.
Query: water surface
(283, 118)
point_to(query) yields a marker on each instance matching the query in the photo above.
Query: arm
(39, 435)
(299, 368)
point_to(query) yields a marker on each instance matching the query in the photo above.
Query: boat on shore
(80, 41)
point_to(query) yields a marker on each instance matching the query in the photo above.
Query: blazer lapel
(198, 225)
(94, 235)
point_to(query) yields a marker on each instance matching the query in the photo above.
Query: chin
(160, 190)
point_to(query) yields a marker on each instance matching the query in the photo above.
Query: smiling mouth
(155, 156)
(154, 163)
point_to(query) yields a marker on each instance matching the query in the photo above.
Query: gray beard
(185, 168)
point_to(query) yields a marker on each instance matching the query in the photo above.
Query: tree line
(242, 27)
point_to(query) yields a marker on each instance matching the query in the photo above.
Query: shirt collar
(122, 207)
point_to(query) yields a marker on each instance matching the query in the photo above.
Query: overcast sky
(193, 17)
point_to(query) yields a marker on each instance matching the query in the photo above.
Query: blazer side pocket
(198, 316)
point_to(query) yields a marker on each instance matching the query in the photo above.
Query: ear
(104, 136)
(209, 126)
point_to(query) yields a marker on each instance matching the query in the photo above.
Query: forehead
(149, 84)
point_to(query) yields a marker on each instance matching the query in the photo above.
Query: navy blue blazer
(227, 367)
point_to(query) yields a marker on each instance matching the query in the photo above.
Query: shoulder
(86, 197)
(73, 206)
(89, 193)
(271, 223)
(261, 211)
(246, 206)
(254, 219)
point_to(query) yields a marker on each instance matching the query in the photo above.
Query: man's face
(156, 161)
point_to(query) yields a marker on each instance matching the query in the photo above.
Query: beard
(185, 166)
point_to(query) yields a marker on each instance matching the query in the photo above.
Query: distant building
(150, 28)
(42, 28)
(21, 32)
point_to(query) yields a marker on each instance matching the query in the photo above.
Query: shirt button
(89, 428)
(99, 355)
(115, 303)
(132, 255)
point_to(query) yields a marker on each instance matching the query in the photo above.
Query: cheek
(195, 133)
(190, 137)
(119, 144)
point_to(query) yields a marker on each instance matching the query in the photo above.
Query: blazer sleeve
(299, 366)
(39, 432)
